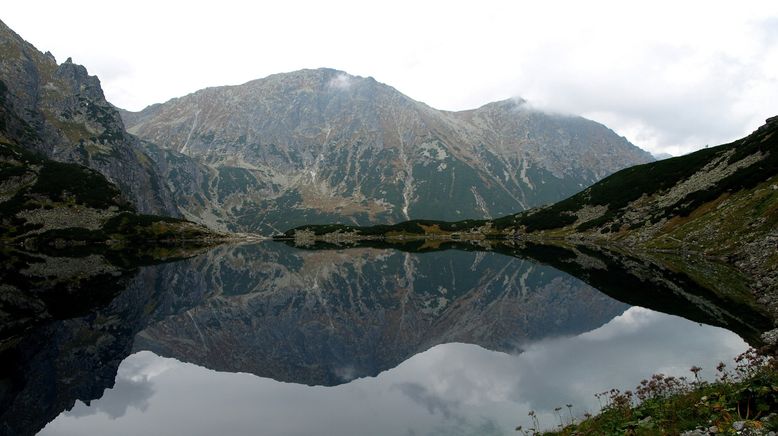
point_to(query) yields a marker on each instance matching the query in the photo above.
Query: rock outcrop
(60, 111)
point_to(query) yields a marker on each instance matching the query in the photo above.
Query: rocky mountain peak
(61, 112)
(508, 105)
(327, 143)
(317, 145)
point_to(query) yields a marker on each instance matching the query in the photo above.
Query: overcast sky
(670, 76)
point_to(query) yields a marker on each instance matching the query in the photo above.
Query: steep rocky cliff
(60, 110)
(313, 146)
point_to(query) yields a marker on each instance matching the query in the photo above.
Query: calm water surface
(449, 389)
(272, 339)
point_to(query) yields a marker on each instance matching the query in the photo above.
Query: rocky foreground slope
(316, 146)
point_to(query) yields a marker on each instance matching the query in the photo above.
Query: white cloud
(671, 76)
(341, 81)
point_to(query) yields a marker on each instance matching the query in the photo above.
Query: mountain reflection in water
(386, 329)
(325, 317)
(449, 389)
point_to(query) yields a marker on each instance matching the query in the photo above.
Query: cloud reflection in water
(449, 389)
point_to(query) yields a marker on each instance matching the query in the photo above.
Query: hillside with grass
(742, 400)
(720, 201)
(647, 196)
(652, 200)
(48, 203)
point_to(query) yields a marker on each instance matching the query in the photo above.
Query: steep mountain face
(45, 202)
(719, 200)
(61, 112)
(320, 145)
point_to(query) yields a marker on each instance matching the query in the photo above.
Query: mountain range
(310, 146)
(322, 146)
(317, 146)
(82, 182)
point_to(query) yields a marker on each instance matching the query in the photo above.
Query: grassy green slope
(710, 173)
(46, 202)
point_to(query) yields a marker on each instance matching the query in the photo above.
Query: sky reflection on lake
(451, 389)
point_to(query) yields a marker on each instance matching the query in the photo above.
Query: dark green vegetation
(413, 227)
(43, 202)
(618, 190)
(65, 182)
(137, 228)
(624, 187)
(739, 401)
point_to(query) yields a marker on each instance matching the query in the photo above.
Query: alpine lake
(421, 338)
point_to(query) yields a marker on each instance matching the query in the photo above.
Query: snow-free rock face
(311, 146)
(59, 110)
(321, 145)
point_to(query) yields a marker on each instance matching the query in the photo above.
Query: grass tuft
(745, 397)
